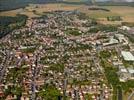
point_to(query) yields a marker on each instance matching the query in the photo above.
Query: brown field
(127, 13)
(51, 7)
(10, 13)
(39, 9)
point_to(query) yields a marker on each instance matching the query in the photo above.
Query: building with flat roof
(131, 72)
(128, 56)
(112, 41)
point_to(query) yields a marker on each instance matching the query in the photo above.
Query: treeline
(8, 24)
(105, 28)
(96, 8)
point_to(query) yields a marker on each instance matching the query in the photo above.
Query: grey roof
(127, 56)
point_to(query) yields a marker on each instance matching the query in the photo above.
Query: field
(127, 13)
(35, 10)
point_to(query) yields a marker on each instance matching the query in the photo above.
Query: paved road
(35, 72)
(119, 93)
(131, 97)
(4, 65)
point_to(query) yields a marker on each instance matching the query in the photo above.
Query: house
(123, 74)
(125, 28)
(131, 73)
(121, 38)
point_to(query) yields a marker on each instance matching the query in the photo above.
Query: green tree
(49, 92)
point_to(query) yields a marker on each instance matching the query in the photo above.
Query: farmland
(127, 13)
(39, 9)
(35, 10)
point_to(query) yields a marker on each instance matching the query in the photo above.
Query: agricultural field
(35, 10)
(126, 13)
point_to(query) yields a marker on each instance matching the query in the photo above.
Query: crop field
(35, 10)
(126, 13)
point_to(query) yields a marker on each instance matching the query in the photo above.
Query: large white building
(128, 56)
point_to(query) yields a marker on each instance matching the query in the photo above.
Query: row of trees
(106, 28)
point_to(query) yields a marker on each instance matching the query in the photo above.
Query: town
(65, 55)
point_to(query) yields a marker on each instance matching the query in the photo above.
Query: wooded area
(7, 24)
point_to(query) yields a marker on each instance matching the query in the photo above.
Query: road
(35, 71)
(131, 97)
(4, 65)
(119, 94)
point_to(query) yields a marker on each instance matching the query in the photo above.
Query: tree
(105, 54)
(49, 92)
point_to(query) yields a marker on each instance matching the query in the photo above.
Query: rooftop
(131, 70)
(127, 56)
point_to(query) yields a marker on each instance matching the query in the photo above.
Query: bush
(114, 18)
(105, 54)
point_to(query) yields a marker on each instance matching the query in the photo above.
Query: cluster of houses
(95, 90)
(44, 52)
